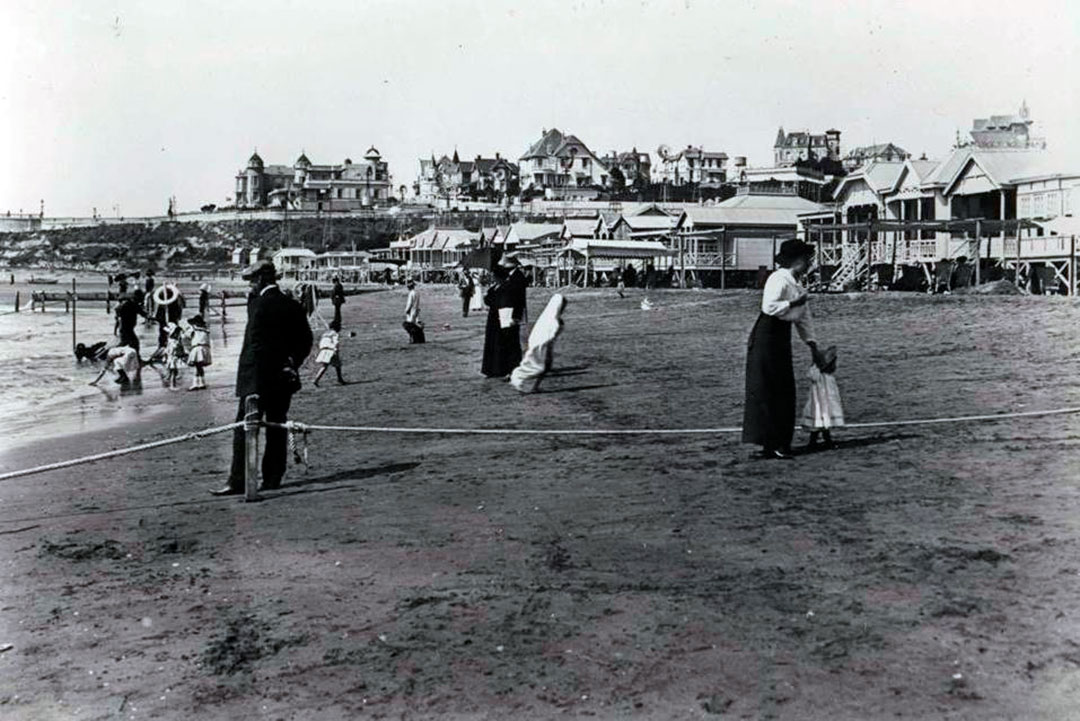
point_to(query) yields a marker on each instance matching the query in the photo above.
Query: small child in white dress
(823, 410)
(198, 338)
(175, 357)
(329, 346)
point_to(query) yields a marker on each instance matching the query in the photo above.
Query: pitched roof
(649, 222)
(870, 151)
(751, 209)
(548, 143)
(617, 248)
(580, 227)
(534, 231)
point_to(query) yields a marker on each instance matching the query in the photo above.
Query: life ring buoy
(166, 294)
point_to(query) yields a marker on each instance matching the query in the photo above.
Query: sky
(120, 104)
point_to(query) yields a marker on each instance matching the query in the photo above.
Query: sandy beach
(922, 572)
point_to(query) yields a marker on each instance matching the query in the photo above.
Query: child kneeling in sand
(823, 410)
(124, 361)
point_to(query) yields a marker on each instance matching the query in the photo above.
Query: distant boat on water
(41, 280)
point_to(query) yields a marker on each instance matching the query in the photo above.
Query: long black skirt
(502, 347)
(769, 414)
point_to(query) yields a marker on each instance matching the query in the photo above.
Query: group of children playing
(186, 344)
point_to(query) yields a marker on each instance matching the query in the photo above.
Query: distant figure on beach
(149, 297)
(170, 309)
(769, 412)
(93, 353)
(175, 358)
(506, 314)
(199, 350)
(277, 339)
(127, 315)
(337, 298)
(476, 301)
(466, 289)
(823, 410)
(204, 299)
(540, 353)
(413, 325)
(329, 353)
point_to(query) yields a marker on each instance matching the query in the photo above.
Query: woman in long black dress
(506, 312)
(769, 414)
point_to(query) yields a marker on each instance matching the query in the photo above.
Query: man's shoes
(227, 491)
(270, 486)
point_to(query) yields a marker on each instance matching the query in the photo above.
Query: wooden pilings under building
(869, 254)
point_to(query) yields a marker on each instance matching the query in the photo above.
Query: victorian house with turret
(307, 186)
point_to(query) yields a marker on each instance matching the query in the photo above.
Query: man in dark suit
(276, 341)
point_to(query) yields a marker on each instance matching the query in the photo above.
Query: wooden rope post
(251, 448)
(74, 311)
(108, 302)
(978, 251)
(1072, 265)
(16, 301)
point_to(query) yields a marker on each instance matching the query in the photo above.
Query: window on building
(1025, 206)
(1067, 204)
(1040, 205)
(1052, 203)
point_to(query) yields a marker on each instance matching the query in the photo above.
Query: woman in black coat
(769, 412)
(506, 313)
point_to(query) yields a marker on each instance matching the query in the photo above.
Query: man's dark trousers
(275, 409)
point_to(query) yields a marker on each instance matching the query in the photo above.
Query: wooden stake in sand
(251, 445)
(73, 314)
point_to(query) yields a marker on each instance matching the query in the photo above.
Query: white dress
(328, 347)
(823, 408)
(124, 358)
(536, 361)
(477, 300)
(200, 347)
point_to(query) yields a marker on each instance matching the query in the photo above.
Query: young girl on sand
(823, 410)
(199, 353)
(328, 352)
(174, 354)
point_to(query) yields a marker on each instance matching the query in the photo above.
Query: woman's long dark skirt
(769, 415)
(502, 347)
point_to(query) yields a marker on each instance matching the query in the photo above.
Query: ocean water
(45, 392)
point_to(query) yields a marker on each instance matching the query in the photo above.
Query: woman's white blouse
(780, 289)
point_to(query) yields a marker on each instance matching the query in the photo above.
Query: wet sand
(923, 572)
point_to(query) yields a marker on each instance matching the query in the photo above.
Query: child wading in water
(328, 353)
(823, 410)
(175, 357)
(199, 355)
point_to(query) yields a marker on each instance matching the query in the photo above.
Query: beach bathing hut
(294, 262)
(734, 239)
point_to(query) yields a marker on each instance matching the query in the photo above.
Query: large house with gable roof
(562, 166)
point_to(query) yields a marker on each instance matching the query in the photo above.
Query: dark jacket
(277, 335)
(515, 293)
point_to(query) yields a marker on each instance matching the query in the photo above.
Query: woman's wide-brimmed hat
(792, 250)
(509, 260)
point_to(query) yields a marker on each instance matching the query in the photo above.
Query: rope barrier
(298, 433)
(194, 435)
(303, 428)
